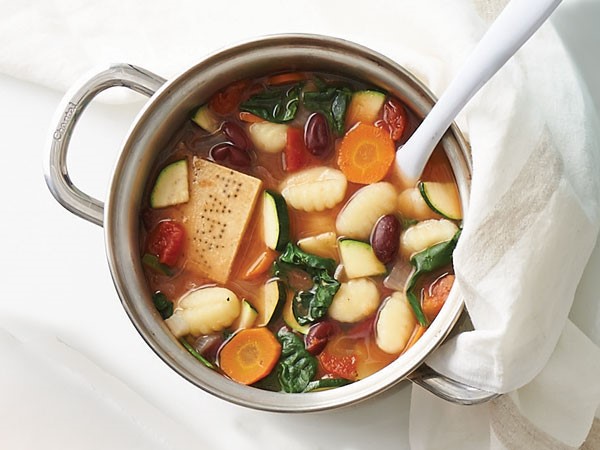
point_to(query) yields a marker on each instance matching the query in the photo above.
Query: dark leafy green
(428, 260)
(326, 383)
(332, 102)
(296, 367)
(195, 354)
(153, 263)
(269, 383)
(311, 263)
(312, 304)
(162, 304)
(275, 104)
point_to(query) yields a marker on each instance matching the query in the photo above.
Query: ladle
(519, 20)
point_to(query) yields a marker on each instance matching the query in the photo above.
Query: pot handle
(73, 104)
(449, 389)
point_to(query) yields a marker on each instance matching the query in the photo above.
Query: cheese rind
(221, 204)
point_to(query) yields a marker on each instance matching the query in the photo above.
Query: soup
(282, 248)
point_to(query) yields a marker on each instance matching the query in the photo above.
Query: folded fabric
(534, 210)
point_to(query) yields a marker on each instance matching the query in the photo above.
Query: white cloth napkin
(534, 213)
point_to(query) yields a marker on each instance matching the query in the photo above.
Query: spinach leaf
(275, 104)
(153, 263)
(269, 383)
(195, 354)
(332, 102)
(296, 367)
(163, 305)
(311, 263)
(426, 261)
(309, 305)
(326, 383)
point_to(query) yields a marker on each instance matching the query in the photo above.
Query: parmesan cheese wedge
(221, 204)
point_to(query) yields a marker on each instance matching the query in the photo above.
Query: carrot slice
(250, 355)
(260, 264)
(248, 117)
(226, 100)
(417, 333)
(366, 154)
(285, 78)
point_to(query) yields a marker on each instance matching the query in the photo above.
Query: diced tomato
(226, 100)
(435, 296)
(394, 118)
(343, 366)
(165, 241)
(295, 154)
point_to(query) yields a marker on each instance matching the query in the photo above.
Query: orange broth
(360, 346)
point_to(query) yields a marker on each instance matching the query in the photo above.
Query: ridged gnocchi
(357, 218)
(314, 189)
(354, 301)
(204, 311)
(426, 234)
(395, 324)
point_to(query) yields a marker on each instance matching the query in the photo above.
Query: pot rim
(121, 227)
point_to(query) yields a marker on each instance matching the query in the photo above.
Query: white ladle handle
(513, 27)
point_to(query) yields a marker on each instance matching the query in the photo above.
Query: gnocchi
(426, 234)
(314, 189)
(357, 218)
(354, 301)
(395, 324)
(268, 137)
(204, 311)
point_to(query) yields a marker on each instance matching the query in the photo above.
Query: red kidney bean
(220, 152)
(236, 135)
(394, 115)
(239, 157)
(318, 335)
(317, 137)
(385, 238)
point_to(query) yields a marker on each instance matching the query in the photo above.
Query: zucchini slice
(276, 221)
(364, 107)
(359, 260)
(273, 297)
(206, 119)
(247, 316)
(290, 319)
(441, 198)
(171, 186)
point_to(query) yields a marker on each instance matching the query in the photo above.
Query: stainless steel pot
(167, 108)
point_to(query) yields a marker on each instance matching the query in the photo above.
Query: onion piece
(399, 275)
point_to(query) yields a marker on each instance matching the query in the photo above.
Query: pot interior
(152, 130)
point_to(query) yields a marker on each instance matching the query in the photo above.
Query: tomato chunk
(165, 241)
(343, 366)
(295, 152)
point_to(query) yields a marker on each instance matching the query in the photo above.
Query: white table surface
(55, 279)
